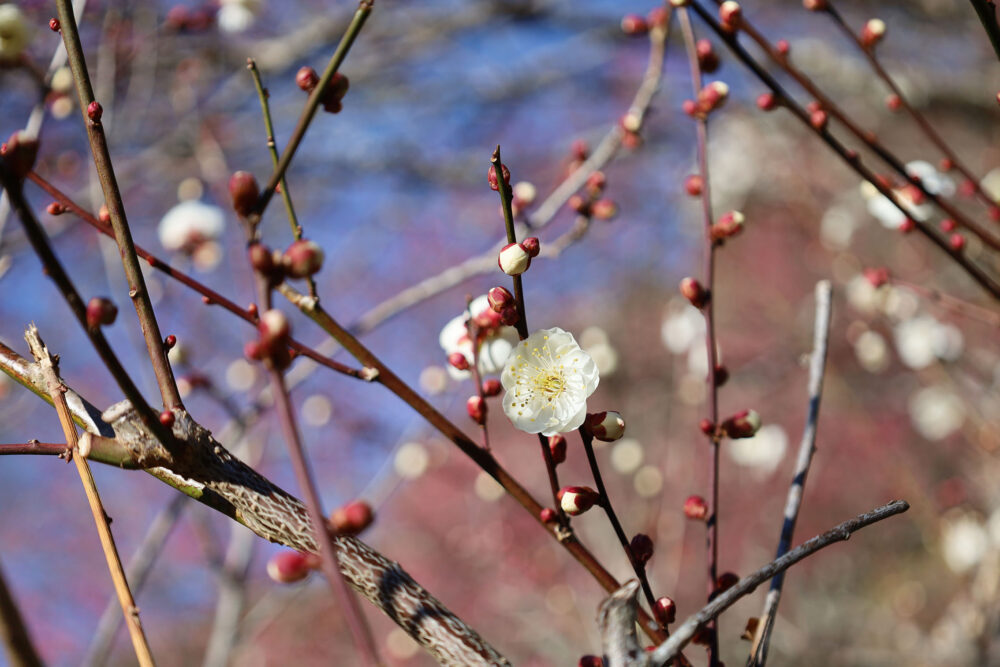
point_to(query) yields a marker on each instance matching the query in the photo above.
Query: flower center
(550, 383)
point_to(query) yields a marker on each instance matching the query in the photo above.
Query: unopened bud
(514, 259)
(877, 276)
(729, 14)
(712, 96)
(274, 330)
(721, 375)
(492, 387)
(766, 101)
(557, 446)
(579, 205)
(730, 224)
(726, 581)
(873, 32)
(576, 500)
(491, 177)
(499, 298)
(459, 361)
(596, 183)
(352, 518)
(167, 418)
(695, 508)
(694, 184)
(604, 209)
(633, 24)
(706, 426)
(509, 316)
(548, 515)
(303, 258)
(95, 111)
(956, 241)
(693, 291)
(290, 566)
(818, 119)
(532, 246)
(708, 59)
(590, 661)
(605, 426)
(55, 208)
(642, 548)
(894, 102)
(334, 94)
(306, 79)
(814, 5)
(244, 191)
(665, 611)
(100, 312)
(476, 407)
(743, 424)
(782, 47)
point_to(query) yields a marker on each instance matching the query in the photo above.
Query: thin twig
(949, 302)
(687, 630)
(977, 273)
(807, 447)
(360, 631)
(609, 510)
(56, 391)
(116, 209)
(18, 646)
(315, 98)
(708, 310)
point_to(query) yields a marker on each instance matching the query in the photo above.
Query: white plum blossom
(936, 412)
(764, 451)
(14, 32)
(683, 327)
(921, 340)
(964, 542)
(237, 15)
(190, 224)
(547, 380)
(493, 350)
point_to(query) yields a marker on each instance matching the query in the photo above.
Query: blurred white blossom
(922, 340)
(872, 351)
(494, 349)
(964, 542)
(889, 214)
(237, 15)
(190, 224)
(936, 412)
(764, 451)
(683, 326)
(15, 33)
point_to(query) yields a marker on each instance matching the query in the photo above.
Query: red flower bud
(303, 258)
(695, 508)
(306, 79)
(956, 241)
(335, 92)
(605, 426)
(693, 291)
(726, 581)
(596, 182)
(744, 424)
(54, 24)
(531, 245)
(352, 518)
(492, 387)
(167, 418)
(103, 214)
(907, 226)
(872, 33)
(730, 224)
(729, 14)
(766, 101)
(499, 298)
(579, 204)
(579, 150)
(491, 177)
(604, 209)
(55, 208)
(721, 375)
(459, 361)
(169, 342)
(818, 119)
(658, 17)
(712, 96)
(509, 316)
(557, 445)
(694, 184)
(95, 111)
(665, 611)
(814, 5)
(877, 276)
(690, 107)
(274, 331)
(893, 103)
(708, 59)
(633, 24)
(476, 407)
(100, 312)
(706, 426)
(548, 515)
(576, 500)
(244, 191)
(642, 548)
(782, 47)
(948, 225)
(290, 566)
(590, 661)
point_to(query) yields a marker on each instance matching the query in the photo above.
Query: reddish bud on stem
(302, 259)
(665, 611)
(100, 312)
(491, 177)
(605, 426)
(693, 291)
(458, 360)
(499, 298)
(244, 191)
(476, 407)
(306, 79)
(290, 566)
(557, 446)
(695, 508)
(743, 424)
(576, 500)
(642, 548)
(352, 518)
(492, 387)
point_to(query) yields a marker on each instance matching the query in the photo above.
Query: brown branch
(56, 391)
(116, 209)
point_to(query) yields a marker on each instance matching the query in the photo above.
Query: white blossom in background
(836, 228)
(964, 542)
(872, 351)
(936, 412)
(494, 349)
(15, 34)
(626, 455)
(411, 460)
(189, 224)
(547, 380)
(683, 326)
(922, 340)
(888, 214)
(764, 451)
(595, 342)
(991, 184)
(862, 296)
(237, 15)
